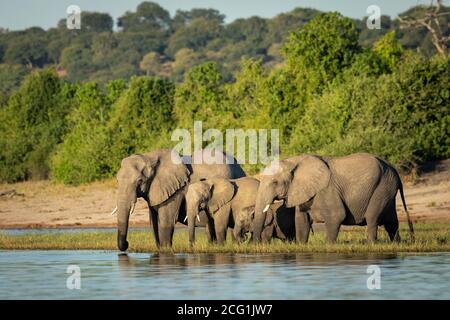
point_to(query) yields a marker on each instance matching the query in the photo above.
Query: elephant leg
(210, 231)
(332, 230)
(391, 222)
(392, 230)
(221, 221)
(378, 206)
(221, 234)
(167, 218)
(233, 237)
(372, 231)
(154, 218)
(329, 205)
(267, 234)
(302, 225)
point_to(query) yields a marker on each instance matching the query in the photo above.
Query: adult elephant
(358, 189)
(160, 177)
(222, 200)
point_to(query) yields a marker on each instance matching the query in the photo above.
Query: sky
(21, 14)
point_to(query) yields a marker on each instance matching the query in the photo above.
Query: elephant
(358, 189)
(222, 200)
(161, 178)
(279, 223)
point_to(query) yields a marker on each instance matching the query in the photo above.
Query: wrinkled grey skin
(161, 179)
(358, 189)
(280, 223)
(222, 200)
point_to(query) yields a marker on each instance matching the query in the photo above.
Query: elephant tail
(408, 217)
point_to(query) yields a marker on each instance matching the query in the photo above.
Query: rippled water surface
(107, 275)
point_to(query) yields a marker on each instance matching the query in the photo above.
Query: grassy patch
(430, 237)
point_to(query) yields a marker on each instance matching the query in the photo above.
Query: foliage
(32, 123)
(81, 158)
(326, 44)
(326, 93)
(99, 52)
(140, 120)
(403, 117)
(389, 50)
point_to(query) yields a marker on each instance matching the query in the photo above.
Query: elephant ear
(310, 174)
(169, 177)
(222, 191)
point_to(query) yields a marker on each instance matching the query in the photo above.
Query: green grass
(430, 237)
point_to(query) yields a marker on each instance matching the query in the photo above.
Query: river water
(108, 275)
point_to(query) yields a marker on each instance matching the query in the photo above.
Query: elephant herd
(282, 202)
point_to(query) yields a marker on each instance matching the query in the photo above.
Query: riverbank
(430, 237)
(45, 204)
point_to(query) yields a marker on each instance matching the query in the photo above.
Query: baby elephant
(222, 200)
(280, 223)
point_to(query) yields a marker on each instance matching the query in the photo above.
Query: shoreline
(430, 237)
(46, 204)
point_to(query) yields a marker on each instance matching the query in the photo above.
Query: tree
(280, 26)
(195, 35)
(149, 17)
(32, 124)
(200, 97)
(28, 48)
(152, 64)
(102, 46)
(96, 22)
(184, 60)
(141, 119)
(11, 76)
(251, 31)
(327, 43)
(77, 60)
(183, 18)
(432, 20)
(389, 50)
(82, 156)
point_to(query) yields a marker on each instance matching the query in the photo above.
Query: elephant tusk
(114, 211)
(132, 208)
(278, 201)
(266, 208)
(198, 218)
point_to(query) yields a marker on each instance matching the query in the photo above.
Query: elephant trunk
(191, 215)
(125, 205)
(263, 201)
(237, 232)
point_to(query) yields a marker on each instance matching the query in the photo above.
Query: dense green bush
(326, 44)
(140, 120)
(329, 96)
(81, 158)
(403, 116)
(31, 124)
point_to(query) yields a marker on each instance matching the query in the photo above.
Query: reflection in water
(106, 275)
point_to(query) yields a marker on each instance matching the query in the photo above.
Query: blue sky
(20, 14)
